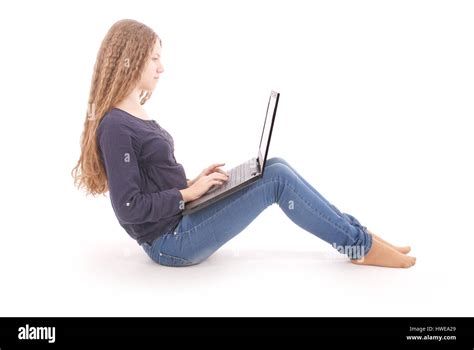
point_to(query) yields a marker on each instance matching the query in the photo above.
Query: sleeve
(123, 176)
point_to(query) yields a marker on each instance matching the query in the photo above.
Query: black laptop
(245, 173)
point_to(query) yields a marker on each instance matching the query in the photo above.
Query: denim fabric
(199, 235)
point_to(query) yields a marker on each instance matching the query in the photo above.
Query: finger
(219, 176)
(215, 165)
(223, 172)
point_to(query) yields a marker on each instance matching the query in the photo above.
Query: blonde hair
(120, 61)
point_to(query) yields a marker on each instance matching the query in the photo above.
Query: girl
(128, 154)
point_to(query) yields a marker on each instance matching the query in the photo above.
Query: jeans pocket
(170, 260)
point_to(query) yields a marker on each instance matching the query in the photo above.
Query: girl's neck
(136, 111)
(131, 104)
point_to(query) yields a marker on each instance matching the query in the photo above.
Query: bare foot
(404, 250)
(381, 254)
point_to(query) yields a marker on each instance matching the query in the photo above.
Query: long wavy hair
(118, 68)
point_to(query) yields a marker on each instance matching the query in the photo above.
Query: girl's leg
(348, 217)
(200, 234)
(352, 220)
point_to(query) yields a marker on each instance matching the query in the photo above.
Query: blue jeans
(200, 234)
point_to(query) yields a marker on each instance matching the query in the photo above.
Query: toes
(404, 250)
(409, 261)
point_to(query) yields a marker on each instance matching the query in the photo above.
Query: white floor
(252, 275)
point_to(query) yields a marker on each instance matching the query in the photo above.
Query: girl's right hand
(203, 184)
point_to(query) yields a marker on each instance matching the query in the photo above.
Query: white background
(375, 111)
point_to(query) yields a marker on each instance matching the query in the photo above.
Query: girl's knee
(275, 160)
(278, 170)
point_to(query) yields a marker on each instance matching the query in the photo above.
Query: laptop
(244, 174)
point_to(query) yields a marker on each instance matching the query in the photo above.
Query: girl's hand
(209, 170)
(202, 185)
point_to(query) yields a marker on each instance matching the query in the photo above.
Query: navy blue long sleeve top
(143, 175)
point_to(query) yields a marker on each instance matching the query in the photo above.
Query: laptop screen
(267, 128)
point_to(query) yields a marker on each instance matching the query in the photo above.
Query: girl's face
(152, 70)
